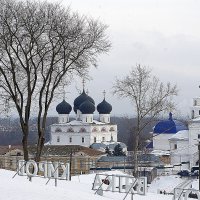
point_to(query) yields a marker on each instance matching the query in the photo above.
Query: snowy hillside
(79, 188)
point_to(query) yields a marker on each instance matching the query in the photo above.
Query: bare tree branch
(150, 98)
(41, 44)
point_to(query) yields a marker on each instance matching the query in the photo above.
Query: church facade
(84, 130)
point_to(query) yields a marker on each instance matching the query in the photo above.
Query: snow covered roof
(6, 149)
(196, 119)
(160, 153)
(98, 146)
(181, 135)
(65, 150)
(112, 159)
(80, 123)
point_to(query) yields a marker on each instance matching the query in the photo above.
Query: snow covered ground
(80, 188)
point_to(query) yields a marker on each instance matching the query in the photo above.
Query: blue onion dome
(87, 107)
(80, 99)
(63, 107)
(169, 126)
(104, 107)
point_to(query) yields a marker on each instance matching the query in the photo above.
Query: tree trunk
(40, 145)
(25, 142)
(25, 147)
(135, 156)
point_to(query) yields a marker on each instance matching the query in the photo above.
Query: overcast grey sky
(161, 34)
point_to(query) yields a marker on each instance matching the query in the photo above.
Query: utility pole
(199, 164)
(70, 165)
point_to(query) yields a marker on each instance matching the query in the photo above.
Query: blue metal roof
(169, 126)
(150, 145)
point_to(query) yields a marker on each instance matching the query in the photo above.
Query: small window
(70, 130)
(95, 139)
(112, 129)
(58, 130)
(103, 139)
(94, 129)
(198, 136)
(82, 130)
(195, 102)
(81, 163)
(70, 139)
(83, 139)
(111, 138)
(58, 138)
(103, 129)
(192, 114)
(175, 146)
(199, 112)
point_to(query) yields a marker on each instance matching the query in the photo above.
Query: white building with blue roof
(164, 130)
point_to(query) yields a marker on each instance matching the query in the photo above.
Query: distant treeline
(10, 131)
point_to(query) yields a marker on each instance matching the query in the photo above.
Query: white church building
(179, 141)
(84, 130)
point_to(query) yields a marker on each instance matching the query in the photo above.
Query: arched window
(103, 129)
(58, 130)
(71, 130)
(83, 139)
(111, 138)
(82, 130)
(70, 139)
(112, 129)
(192, 114)
(58, 138)
(94, 129)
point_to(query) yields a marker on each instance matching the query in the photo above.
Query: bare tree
(149, 96)
(41, 46)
